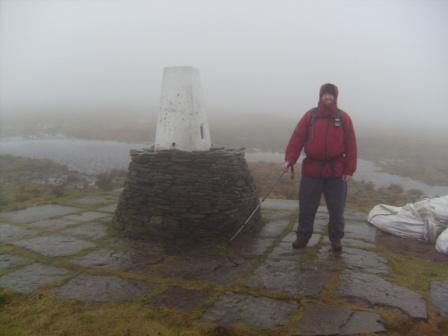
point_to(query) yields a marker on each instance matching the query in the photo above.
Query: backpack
(338, 121)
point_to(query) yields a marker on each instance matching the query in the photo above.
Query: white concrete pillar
(182, 122)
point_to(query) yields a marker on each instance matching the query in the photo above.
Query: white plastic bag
(424, 220)
(442, 242)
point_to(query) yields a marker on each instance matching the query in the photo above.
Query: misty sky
(389, 58)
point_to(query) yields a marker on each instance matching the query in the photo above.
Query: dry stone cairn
(182, 188)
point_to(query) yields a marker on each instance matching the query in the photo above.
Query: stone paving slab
(289, 276)
(37, 213)
(291, 237)
(353, 215)
(352, 243)
(86, 216)
(54, 245)
(9, 232)
(99, 288)
(214, 269)
(105, 258)
(355, 259)
(180, 298)
(8, 260)
(108, 208)
(359, 230)
(274, 228)
(253, 247)
(31, 277)
(88, 231)
(332, 320)
(91, 200)
(280, 204)
(439, 296)
(119, 260)
(271, 214)
(377, 291)
(256, 312)
(53, 224)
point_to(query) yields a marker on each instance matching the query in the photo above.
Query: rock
(355, 259)
(88, 231)
(289, 276)
(99, 288)
(10, 232)
(53, 224)
(280, 204)
(180, 298)
(37, 213)
(256, 312)
(8, 260)
(31, 277)
(274, 228)
(376, 291)
(108, 208)
(331, 320)
(198, 196)
(439, 296)
(360, 230)
(85, 216)
(54, 245)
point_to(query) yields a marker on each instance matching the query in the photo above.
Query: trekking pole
(259, 204)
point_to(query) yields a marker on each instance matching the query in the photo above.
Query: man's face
(327, 98)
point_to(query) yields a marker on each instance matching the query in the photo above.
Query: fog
(388, 58)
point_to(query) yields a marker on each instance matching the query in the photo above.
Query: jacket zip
(325, 146)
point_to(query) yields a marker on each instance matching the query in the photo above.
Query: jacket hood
(329, 88)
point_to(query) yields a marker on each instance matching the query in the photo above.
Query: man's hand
(346, 178)
(286, 165)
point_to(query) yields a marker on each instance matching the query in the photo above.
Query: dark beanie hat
(329, 88)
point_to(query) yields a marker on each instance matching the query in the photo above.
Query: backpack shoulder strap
(313, 116)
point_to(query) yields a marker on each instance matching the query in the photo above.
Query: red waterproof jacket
(330, 146)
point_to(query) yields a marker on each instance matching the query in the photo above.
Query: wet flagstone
(88, 231)
(353, 258)
(8, 260)
(439, 296)
(289, 276)
(273, 228)
(253, 247)
(360, 230)
(37, 213)
(352, 243)
(54, 245)
(104, 258)
(108, 208)
(291, 237)
(31, 277)
(249, 268)
(9, 232)
(53, 224)
(377, 291)
(85, 216)
(256, 312)
(91, 200)
(180, 298)
(280, 204)
(214, 269)
(103, 288)
(332, 320)
(271, 214)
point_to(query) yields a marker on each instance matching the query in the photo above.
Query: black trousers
(335, 193)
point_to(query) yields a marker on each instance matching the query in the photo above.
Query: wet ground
(259, 283)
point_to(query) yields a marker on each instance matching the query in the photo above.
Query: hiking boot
(336, 245)
(300, 242)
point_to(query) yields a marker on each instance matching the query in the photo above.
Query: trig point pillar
(182, 122)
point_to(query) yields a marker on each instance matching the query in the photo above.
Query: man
(327, 136)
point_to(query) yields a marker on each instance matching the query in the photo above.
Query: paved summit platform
(256, 284)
